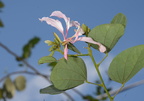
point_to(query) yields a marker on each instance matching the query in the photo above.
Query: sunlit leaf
(9, 88)
(119, 19)
(68, 73)
(107, 34)
(51, 90)
(126, 64)
(27, 48)
(58, 40)
(46, 59)
(20, 83)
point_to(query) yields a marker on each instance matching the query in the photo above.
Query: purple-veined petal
(55, 23)
(90, 40)
(65, 52)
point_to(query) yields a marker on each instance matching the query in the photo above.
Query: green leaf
(27, 48)
(119, 19)
(58, 40)
(51, 90)
(107, 34)
(126, 64)
(1, 24)
(69, 73)
(46, 59)
(73, 48)
(52, 64)
(20, 83)
(9, 88)
(85, 29)
(1, 4)
(49, 42)
(1, 93)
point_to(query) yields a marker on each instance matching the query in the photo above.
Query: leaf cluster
(9, 87)
(67, 74)
(27, 48)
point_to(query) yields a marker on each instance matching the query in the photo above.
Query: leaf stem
(59, 50)
(78, 54)
(99, 74)
(119, 90)
(93, 83)
(103, 59)
(52, 53)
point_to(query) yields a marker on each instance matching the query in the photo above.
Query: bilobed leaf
(9, 88)
(126, 64)
(107, 34)
(20, 83)
(73, 48)
(68, 73)
(46, 59)
(27, 48)
(51, 90)
(119, 19)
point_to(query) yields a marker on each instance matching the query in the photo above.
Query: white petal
(59, 14)
(55, 23)
(78, 33)
(90, 40)
(74, 23)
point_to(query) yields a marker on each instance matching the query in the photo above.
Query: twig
(124, 89)
(17, 72)
(31, 67)
(78, 92)
(16, 56)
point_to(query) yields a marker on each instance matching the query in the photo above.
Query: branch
(16, 56)
(124, 89)
(17, 72)
(29, 66)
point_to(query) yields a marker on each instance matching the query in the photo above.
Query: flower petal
(55, 23)
(90, 40)
(78, 33)
(65, 52)
(61, 15)
(75, 23)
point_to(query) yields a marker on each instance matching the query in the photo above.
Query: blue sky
(20, 18)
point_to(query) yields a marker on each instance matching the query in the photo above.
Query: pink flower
(78, 32)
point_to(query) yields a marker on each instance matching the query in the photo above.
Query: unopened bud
(49, 42)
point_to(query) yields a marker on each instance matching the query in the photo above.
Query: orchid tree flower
(78, 32)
